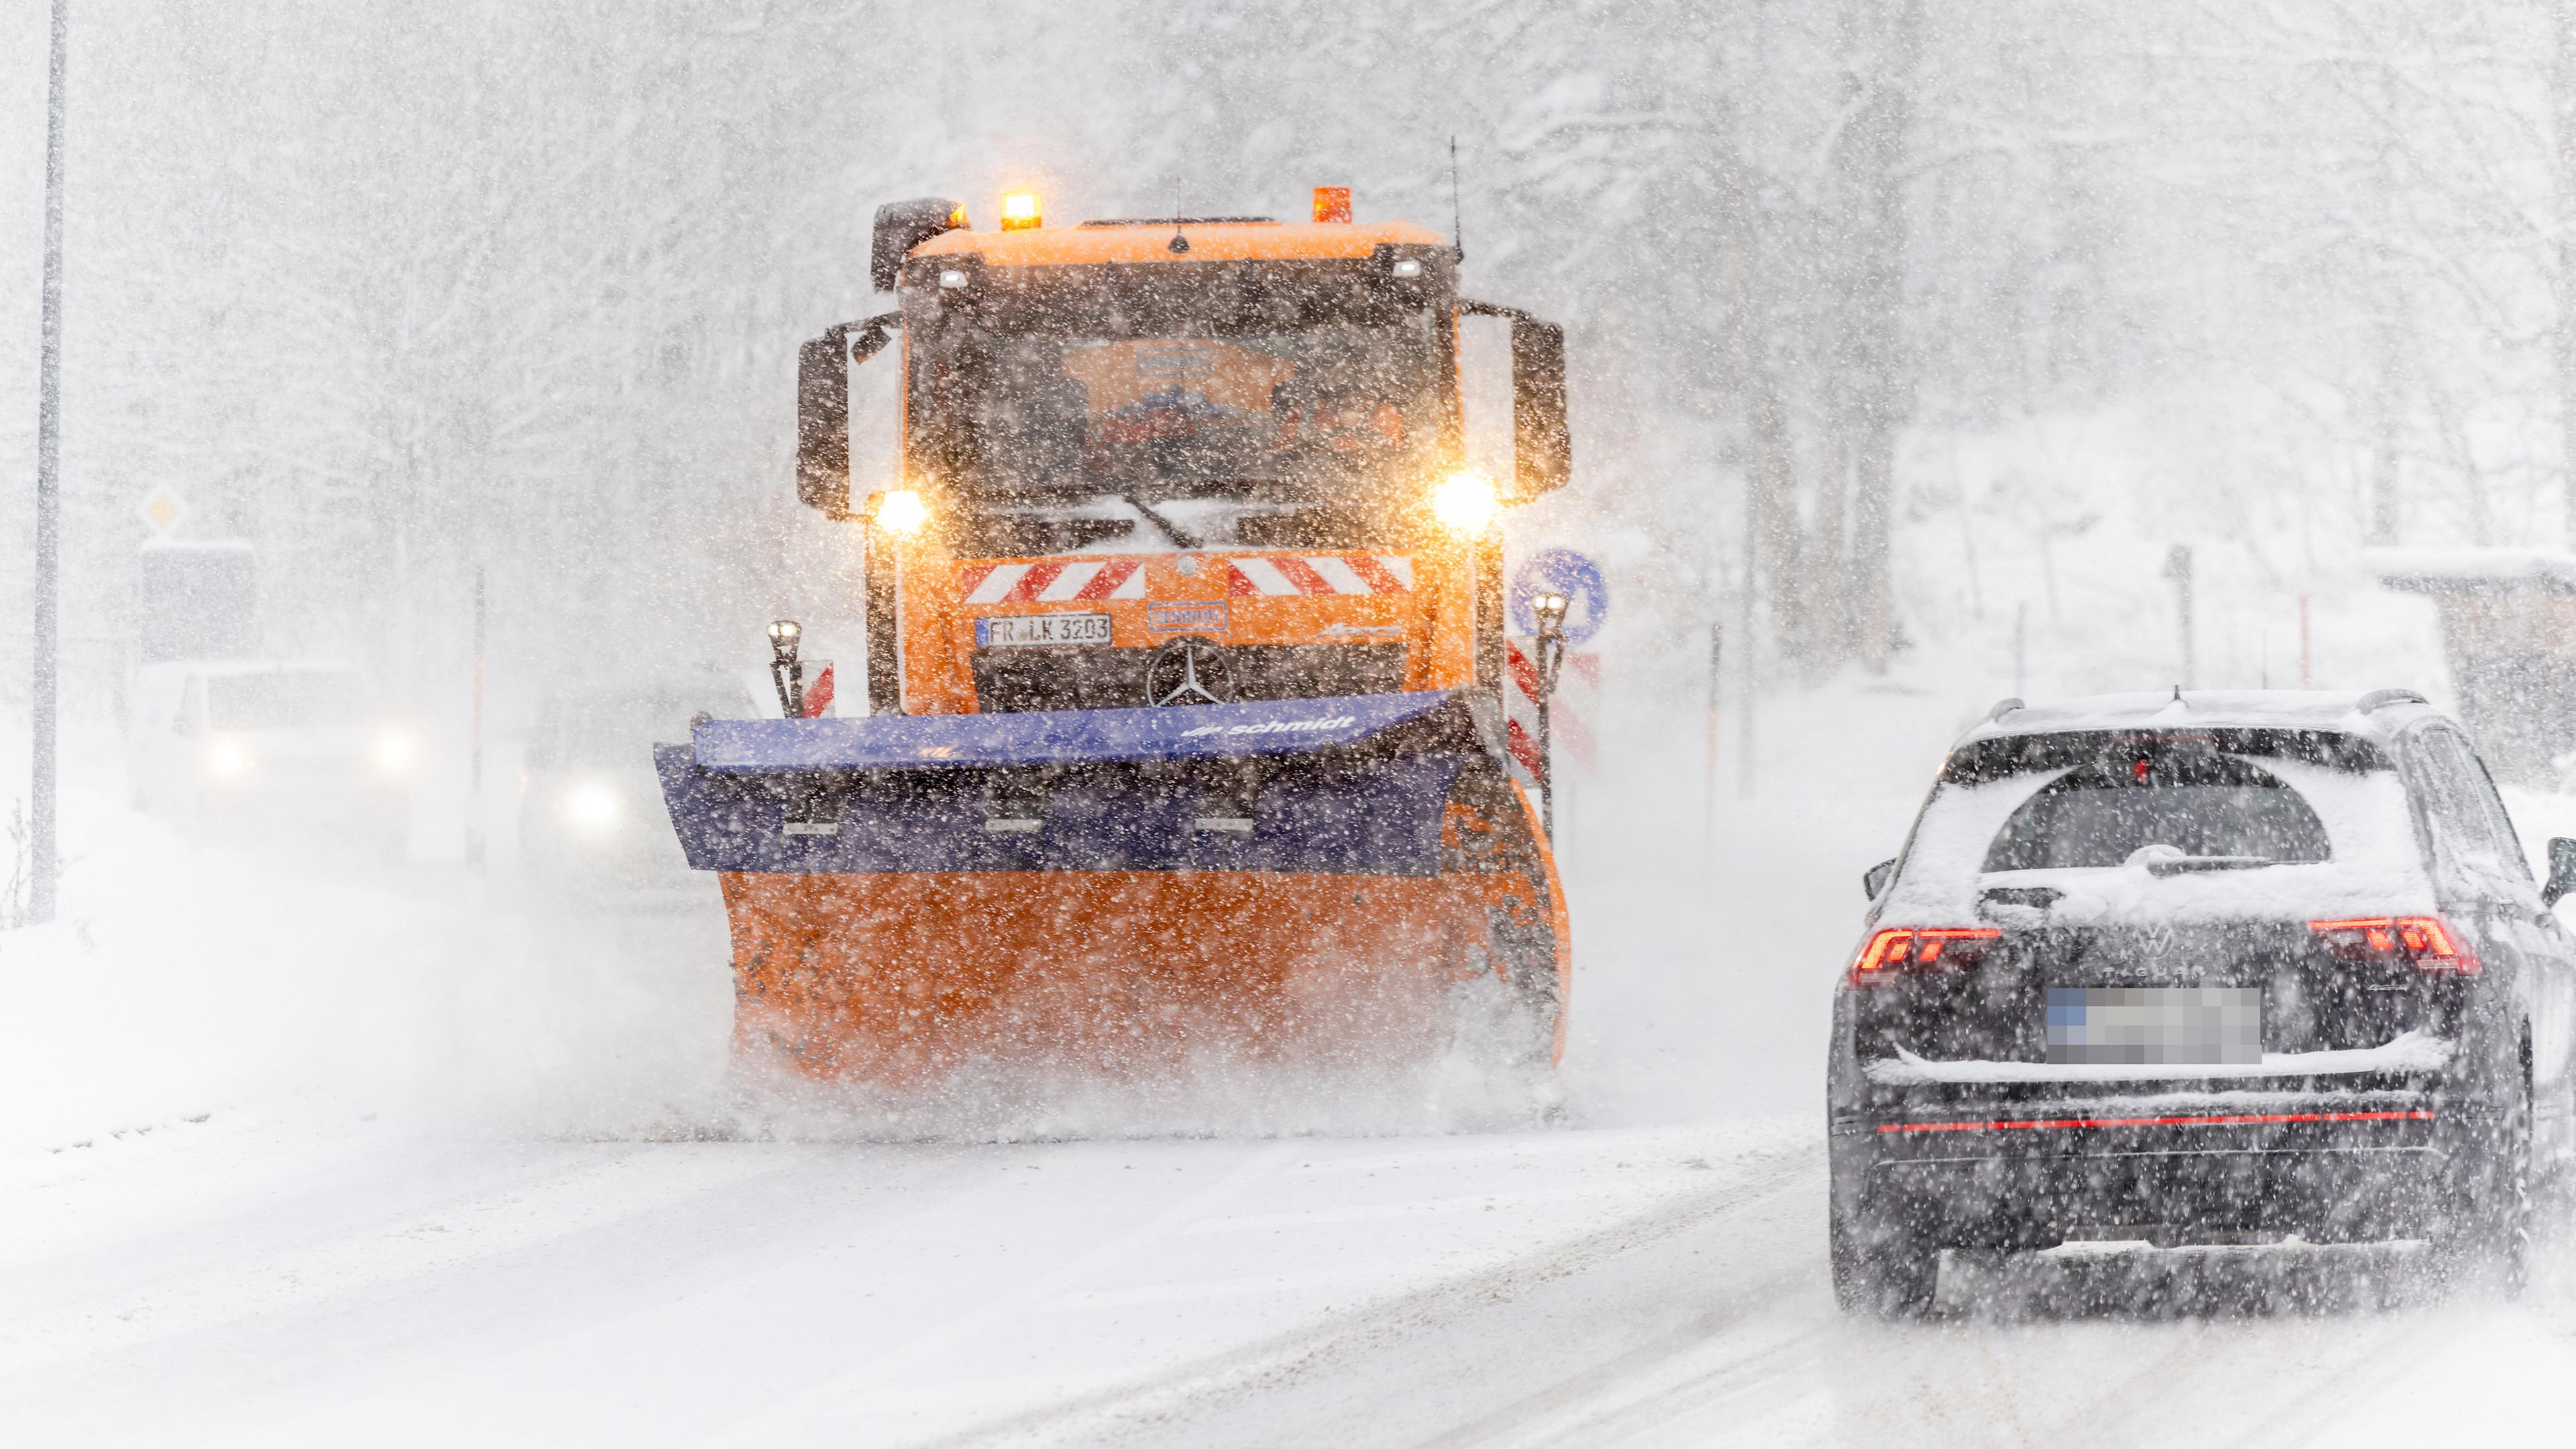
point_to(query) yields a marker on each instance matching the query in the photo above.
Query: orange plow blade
(1323, 882)
(904, 978)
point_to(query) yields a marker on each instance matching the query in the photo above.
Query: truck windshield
(1327, 410)
(287, 700)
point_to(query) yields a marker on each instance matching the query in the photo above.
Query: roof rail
(2002, 707)
(2380, 698)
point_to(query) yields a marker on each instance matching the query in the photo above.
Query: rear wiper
(2179, 864)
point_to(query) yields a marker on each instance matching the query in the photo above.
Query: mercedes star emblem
(1189, 670)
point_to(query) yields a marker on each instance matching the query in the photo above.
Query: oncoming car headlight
(593, 807)
(394, 752)
(227, 758)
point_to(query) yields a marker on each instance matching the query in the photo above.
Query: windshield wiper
(1173, 531)
(2180, 864)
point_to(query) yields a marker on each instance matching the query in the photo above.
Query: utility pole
(1708, 775)
(474, 844)
(2562, 112)
(44, 862)
(2178, 569)
(1744, 649)
(2021, 648)
(2303, 643)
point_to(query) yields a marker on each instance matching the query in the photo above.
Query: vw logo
(1189, 670)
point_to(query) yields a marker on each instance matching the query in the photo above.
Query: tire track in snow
(1168, 1402)
(800, 1414)
(1602, 1401)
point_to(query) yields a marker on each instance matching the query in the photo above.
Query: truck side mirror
(823, 409)
(1874, 879)
(903, 225)
(1542, 446)
(2562, 871)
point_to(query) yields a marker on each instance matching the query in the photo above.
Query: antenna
(1457, 232)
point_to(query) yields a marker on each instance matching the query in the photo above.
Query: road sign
(161, 509)
(1577, 576)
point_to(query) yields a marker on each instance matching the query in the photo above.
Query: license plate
(1022, 631)
(2155, 1025)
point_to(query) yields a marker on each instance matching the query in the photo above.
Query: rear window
(2195, 801)
(2071, 808)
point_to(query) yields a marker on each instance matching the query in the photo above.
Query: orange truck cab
(1185, 654)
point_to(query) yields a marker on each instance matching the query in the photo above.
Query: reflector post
(1333, 203)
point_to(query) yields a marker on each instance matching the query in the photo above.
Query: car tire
(1895, 1274)
(2487, 1241)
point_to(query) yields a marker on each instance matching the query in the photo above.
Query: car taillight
(2427, 941)
(1916, 949)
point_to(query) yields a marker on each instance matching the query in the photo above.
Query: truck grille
(1011, 680)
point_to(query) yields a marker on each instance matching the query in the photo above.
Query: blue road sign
(1587, 595)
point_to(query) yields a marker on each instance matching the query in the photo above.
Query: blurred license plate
(2155, 1025)
(1019, 631)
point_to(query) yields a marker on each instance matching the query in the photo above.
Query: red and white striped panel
(1330, 573)
(1052, 583)
(1577, 687)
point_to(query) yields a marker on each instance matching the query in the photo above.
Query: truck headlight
(1466, 503)
(593, 807)
(901, 512)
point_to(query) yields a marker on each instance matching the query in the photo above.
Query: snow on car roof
(2298, 709)
(2472, 570)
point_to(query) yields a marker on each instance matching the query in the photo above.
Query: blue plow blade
(1352, 784)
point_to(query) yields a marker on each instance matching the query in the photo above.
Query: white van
(296, 743)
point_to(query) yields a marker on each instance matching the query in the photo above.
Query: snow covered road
(240, 1281)
(459, 1179)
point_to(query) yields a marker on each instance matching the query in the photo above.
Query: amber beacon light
(1020, 211)
(1333, 203)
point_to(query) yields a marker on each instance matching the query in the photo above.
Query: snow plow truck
(1185, 667)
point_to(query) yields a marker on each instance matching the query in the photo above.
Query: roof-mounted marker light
(1020, 211)
(1333, 203)
(957, 218)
